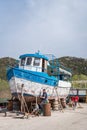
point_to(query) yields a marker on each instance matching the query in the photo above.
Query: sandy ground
(68, 120)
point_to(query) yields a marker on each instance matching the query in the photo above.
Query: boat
(36, 72)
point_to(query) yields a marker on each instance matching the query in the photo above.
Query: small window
(29, 60)
(23, 61)
(36, 61)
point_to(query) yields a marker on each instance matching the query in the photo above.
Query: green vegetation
(3, 85)
(79, 77)
(77, 65)
(4, 64)
(4, 89)
(79, 81)
(79, 84)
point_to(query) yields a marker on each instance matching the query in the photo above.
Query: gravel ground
(68, 120)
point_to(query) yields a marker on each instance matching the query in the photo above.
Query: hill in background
(4, 86)
(78, 67)
(4, 64)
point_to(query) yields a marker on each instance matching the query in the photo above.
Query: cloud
(57, 27)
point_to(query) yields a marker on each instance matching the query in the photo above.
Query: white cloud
(51, 26)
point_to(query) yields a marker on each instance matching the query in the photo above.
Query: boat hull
(31, 90)
(34, 83)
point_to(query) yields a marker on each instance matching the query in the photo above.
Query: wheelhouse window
(29, 60)
(36, 62)
(23, 61)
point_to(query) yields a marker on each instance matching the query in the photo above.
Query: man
(44, 96)
(44, 99)
(76, 100)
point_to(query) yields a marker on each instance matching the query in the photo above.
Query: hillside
(4, 89)
(78, 67)
(4, 64)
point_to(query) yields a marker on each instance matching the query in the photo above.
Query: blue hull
(39, 77)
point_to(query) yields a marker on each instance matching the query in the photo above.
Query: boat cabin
(33, 62)
(40, 63)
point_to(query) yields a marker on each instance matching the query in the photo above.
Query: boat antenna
(38, 51)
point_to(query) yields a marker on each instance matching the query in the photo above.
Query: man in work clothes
(44, 99)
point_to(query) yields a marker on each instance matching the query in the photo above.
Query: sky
(57, 27)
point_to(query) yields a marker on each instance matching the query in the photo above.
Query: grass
(4, 85)
(4, 90)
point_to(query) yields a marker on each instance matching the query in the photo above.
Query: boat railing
(65, 68)
(59, 69)
(56, 67)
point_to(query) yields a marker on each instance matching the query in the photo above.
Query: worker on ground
(44, 99)
(75, 100)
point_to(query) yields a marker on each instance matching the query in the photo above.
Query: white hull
(35, 89)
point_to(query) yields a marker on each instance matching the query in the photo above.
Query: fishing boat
(36, 72)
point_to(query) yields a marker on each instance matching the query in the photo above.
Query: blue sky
(57, 27)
